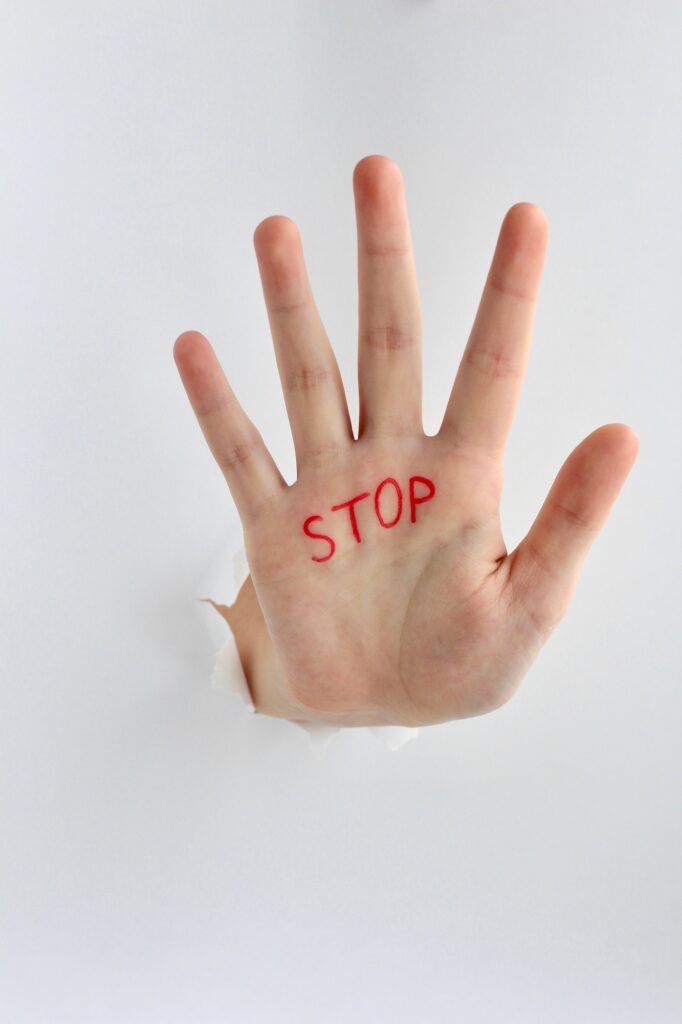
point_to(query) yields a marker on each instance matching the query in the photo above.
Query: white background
(165, 857)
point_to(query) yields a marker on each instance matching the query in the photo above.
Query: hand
(381, 590)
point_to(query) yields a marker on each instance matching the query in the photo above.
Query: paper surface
(222, 584)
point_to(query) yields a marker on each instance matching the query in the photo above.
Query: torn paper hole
(222, 584)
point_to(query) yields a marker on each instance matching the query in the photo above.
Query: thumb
(545, 566)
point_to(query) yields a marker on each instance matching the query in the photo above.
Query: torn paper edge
(225, 582)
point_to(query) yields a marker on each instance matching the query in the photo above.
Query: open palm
(381, 590)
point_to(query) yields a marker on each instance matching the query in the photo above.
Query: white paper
(222, 584)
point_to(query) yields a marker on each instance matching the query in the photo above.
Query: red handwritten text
(419, 490)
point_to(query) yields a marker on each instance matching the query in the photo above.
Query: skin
(426, 621)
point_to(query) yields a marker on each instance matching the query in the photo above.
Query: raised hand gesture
(381, 590)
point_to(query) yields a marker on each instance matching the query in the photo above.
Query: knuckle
(238, 452)
(388, 339)
(574, 515)
(495, 362)
(504, 285)
(308, 378)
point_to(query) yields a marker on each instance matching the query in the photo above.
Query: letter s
(318, 536)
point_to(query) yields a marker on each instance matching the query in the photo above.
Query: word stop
(427, 489)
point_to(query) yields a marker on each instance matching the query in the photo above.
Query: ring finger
(310, 376)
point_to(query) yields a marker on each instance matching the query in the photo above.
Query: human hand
(381, 590)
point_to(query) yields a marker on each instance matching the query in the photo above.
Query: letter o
(399, 493)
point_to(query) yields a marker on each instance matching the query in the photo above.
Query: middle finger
(389, 344)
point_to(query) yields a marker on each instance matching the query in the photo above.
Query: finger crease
(513, 293)
(572, 516)
(237, 454)
(388, 339)
(288, 307)
(385, 250)
(494, 363)
(308, 378)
